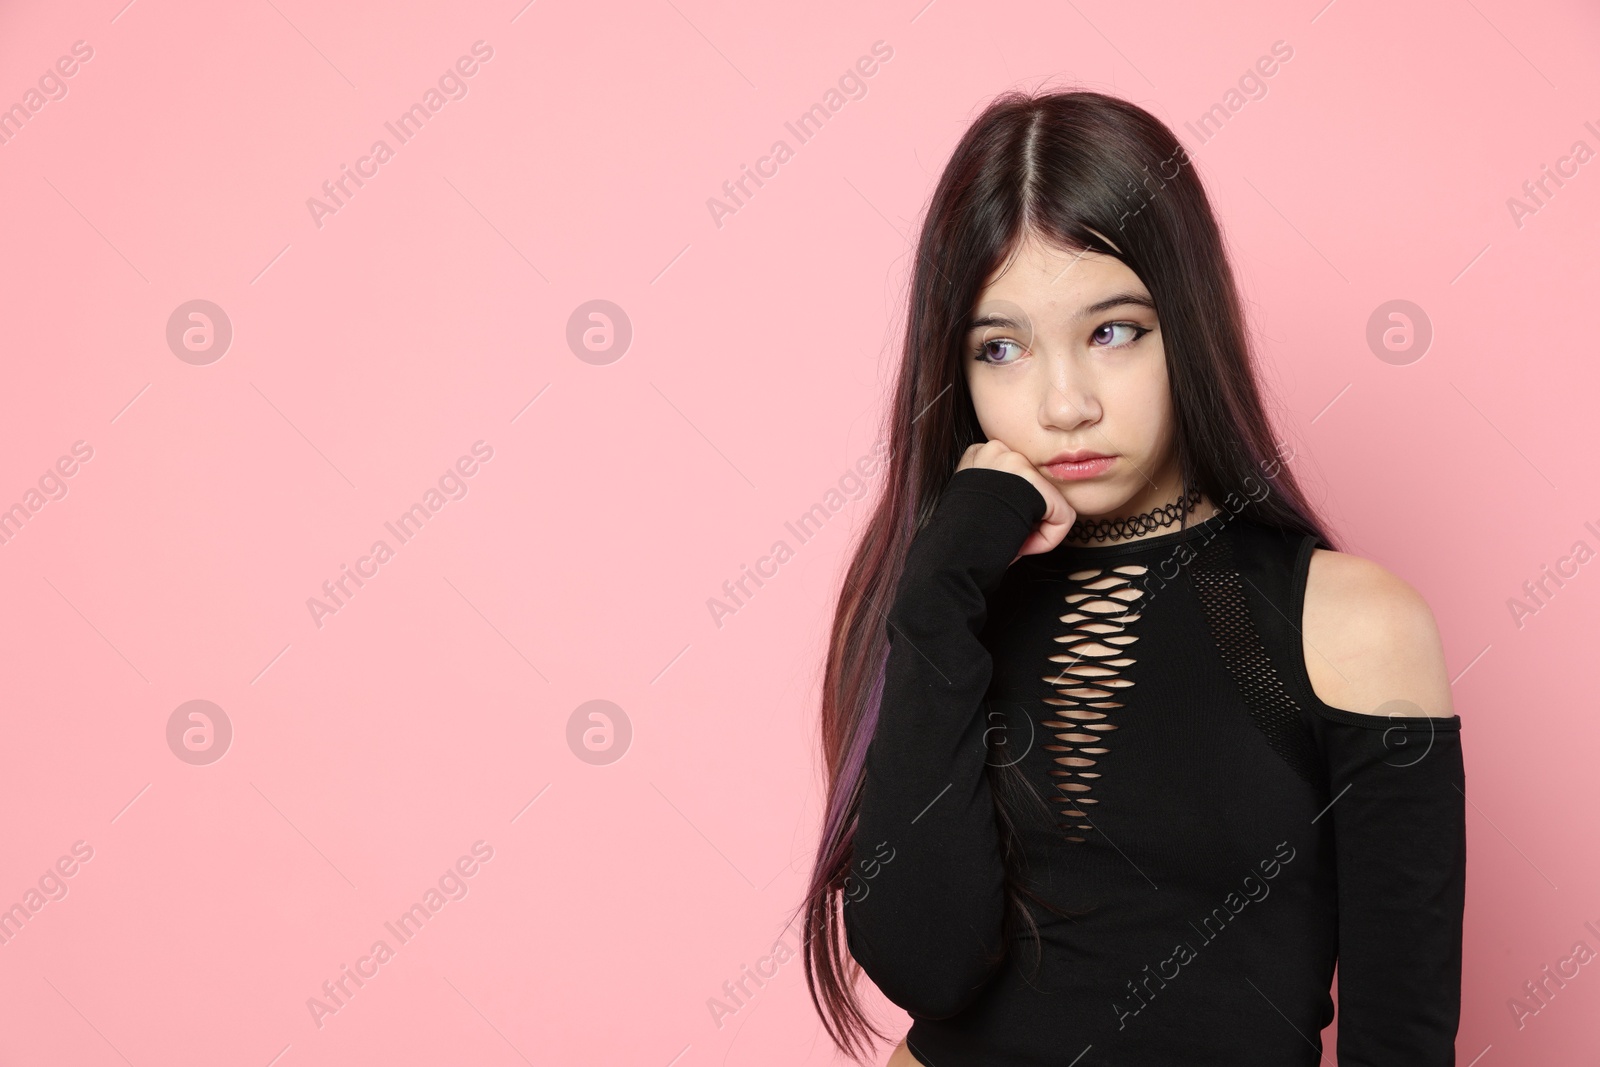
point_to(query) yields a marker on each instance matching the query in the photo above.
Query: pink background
(431, 311)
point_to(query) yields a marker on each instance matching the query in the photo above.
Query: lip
(1072, 466)
(1075, 457)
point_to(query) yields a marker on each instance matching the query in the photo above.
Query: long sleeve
(925, 905)
(1399, 827)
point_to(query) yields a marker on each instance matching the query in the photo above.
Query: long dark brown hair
(1062, 166)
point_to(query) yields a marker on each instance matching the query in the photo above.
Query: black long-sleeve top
(1219, 837)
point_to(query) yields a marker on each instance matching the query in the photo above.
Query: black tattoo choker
(1134, 525)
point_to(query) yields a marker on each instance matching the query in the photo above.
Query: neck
(1178, 512)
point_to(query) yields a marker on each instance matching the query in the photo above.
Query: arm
(1398, 808)
(926, 925)
(1399, 828)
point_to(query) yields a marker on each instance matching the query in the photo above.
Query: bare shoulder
(901, 1057)
(1369, 638)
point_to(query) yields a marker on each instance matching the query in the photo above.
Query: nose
(1069, 399)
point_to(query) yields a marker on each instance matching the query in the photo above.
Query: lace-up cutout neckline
(1103, 606)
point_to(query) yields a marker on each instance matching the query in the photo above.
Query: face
(1065, 356)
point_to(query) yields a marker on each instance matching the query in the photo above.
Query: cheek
(988, 403)
(1157, 388)
(1147, 404)
(1006, 410)
(1158, 408)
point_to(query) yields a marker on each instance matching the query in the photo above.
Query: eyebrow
(1006, 322)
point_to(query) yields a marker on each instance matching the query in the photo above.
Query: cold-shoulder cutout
(1371, 647)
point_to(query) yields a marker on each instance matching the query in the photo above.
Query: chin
(1092, 501)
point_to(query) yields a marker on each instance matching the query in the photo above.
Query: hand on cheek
(1058, 516)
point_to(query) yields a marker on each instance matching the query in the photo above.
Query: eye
(981, 355)
(1102, 332)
